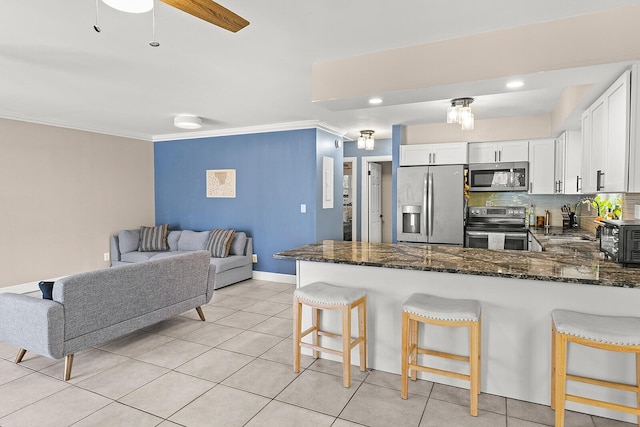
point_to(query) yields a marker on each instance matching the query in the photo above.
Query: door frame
(354, 195)
(364, 202)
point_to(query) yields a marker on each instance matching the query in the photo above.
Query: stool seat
(325, 294)
(438, 308)
(606, 329)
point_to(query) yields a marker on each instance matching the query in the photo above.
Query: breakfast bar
(517, 291)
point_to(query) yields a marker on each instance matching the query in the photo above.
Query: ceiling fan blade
(210, 11)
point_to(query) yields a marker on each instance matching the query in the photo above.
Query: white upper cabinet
(605, 136)
(568, 163)
(503, 151)
(454, 153)
(542, 166)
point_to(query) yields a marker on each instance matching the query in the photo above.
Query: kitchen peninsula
(517, 290)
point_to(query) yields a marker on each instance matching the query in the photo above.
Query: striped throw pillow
(220, 242)
(153, 239)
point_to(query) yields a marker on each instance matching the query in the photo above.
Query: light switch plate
(303, 208)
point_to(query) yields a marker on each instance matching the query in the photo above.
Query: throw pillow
(129, 240)
(220, 242)
(193, 240)
(47, 289)
(154, 239)
(238, 243)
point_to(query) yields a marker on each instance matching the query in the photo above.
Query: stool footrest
(440, 372)
(320, 348)
(442, 354)
(603, 404)
(612, 384)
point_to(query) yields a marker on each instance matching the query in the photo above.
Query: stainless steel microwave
(620, 241)
(505, 176)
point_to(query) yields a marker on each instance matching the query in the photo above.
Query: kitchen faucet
(587, 200)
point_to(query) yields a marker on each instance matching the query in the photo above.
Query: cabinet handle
(578, 182)
(495, 156)
(599, 180)
(560, 186)
(434, 157)
(530, 186)
(500, 155)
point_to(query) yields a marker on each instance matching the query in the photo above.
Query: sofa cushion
(238, 244)
(128, 240)
(137, 256)
(220, 242)
(172, 239)
(232, 261)
(193, 240)
(153, 239)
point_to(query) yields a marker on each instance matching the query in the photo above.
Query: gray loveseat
(91, 308)
(234, 268)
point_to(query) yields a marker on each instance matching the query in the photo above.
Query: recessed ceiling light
(375, 101)
(187, 122)
(514, 84)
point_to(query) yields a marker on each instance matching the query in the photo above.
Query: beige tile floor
(235, 370)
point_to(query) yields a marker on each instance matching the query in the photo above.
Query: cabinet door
(449, 154)
(573, 162)
(483, 152)
(513, 151)
(615, 150)
(560, 181)
(599, 123)
(415, 155)
(541, 166)
(587, 179)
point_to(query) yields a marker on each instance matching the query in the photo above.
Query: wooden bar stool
(322, 296)
(440, 312)
(621, 334)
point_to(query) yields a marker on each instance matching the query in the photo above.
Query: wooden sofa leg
(68, 364)
(20, 355)
(200, 313)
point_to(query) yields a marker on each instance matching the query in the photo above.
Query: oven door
(512, 240)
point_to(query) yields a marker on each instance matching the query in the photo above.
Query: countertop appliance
(430, 204)
(496, 227)
(506, 176)
(620, 241)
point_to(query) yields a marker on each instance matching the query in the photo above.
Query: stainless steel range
(496, 227)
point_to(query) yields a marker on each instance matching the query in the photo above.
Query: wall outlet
(106, 256)
(254, 258)
(636, 212)
(303, 208)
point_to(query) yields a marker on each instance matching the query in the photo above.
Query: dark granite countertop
(577, 266)
(567, 241)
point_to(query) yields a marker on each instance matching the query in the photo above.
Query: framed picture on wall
(221, 183)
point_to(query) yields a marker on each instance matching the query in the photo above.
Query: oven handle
(486, 233)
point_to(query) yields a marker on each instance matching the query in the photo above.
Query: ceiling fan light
(187, 122)
(130, 6)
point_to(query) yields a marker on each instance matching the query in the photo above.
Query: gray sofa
(91, 308)
(236, 267)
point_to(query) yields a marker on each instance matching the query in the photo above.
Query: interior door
(375, 202)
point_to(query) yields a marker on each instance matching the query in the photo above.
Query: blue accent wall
(276, 172)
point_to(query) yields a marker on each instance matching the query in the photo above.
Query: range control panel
(497, 211)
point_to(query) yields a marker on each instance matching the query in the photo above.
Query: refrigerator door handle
(425, 212)
(430, 206)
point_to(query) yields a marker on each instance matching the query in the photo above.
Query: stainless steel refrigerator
(430, 204)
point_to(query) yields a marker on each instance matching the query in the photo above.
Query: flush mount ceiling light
(459, 112)
(187, 122)
(375, 101)
(365, 141)
(130, 6)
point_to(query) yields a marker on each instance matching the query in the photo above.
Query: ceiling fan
(206, 10)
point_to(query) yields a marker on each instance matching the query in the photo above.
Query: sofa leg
(68, 364)
(200, 313)
(20, 355)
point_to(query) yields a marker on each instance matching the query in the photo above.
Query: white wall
(63, 192)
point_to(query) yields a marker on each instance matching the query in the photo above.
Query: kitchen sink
(567, 239)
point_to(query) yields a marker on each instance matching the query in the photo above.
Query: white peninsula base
(516, 328)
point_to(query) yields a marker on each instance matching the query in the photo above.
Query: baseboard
(275, 277)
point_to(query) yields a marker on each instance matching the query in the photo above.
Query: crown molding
(74, 126)
(276, 127)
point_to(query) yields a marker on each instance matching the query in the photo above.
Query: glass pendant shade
(468, 122)
(361, 143)
(130, 6)
(452, 114)
(369, 144)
